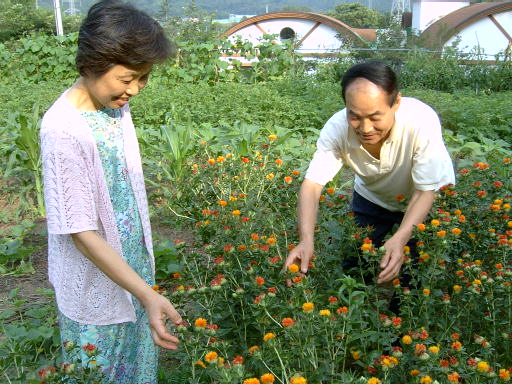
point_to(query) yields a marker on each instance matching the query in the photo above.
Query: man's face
(368, 112)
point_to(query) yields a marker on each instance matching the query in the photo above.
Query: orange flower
(435, 223)
(211, 161)
(400, 197)
(366, 247)
(278, 162)
(406, 339)
(238, 360)
(426, 292)
(245, 160)
(298, 380)
(441, 233)
(201, 323)
(287, 322)
(272, 137)
(457, 212)
(271, 241)
(201, 364)
(294, 268)
(267, 378)
(236, 212)
(223, 203)
(421, 227)
(342, 311)
(414, 372)
(295, 173)
(373, 380)
(253, 349)
(252, 380)
(457, 288)
(220, 159)
(456, 231)
(425, 380)
(330, 191)
(308, 307)
(269, 336)
(504, 374)
(288, 179)
(456, 345)
(211, 356)
(260, 280)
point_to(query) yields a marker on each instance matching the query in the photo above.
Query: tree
(296, 8)
(357, 16)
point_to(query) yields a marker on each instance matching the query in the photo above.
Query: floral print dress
(127, 353)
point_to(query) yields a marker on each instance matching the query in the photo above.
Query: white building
(426, 12)
(313, 34)
(486, 26)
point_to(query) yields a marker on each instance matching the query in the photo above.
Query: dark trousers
(381, 221)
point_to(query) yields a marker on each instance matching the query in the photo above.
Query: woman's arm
(96, 249)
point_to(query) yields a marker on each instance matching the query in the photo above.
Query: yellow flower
(308, 307)
(457, 288)
(270, 176)
(356, 355)
(267, 378)
(435, 223)
(425, 380)
(236, 212)
(483, 366)
(434, 349)
(373, 380)
(269, 336)
(426, 292)
(211, 356)
(325, 312)
(294, 268)
(272, 137)
(298, 380)
(407, 339)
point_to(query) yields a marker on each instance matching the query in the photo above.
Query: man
(395, 147)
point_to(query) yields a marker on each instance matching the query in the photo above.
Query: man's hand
(300, 255)
(392, 260)
(158, 309)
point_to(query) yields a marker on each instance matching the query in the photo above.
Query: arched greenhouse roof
(441, 31)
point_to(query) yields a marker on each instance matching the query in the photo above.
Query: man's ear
(397, 102)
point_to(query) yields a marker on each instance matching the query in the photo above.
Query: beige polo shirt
(413, 157)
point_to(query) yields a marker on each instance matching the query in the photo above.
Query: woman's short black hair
(118, 33)
(376, 72)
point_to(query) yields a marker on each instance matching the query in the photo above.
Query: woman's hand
(159, 309)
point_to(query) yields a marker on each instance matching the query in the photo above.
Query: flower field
(244, 324)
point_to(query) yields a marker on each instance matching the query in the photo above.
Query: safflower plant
(245, 324)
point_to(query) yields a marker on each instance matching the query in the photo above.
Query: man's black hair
(376, 72)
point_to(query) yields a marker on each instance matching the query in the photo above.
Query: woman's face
(114, 88)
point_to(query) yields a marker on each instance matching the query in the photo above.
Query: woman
(100, 252)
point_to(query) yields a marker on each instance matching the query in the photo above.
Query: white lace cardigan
(77, 200)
